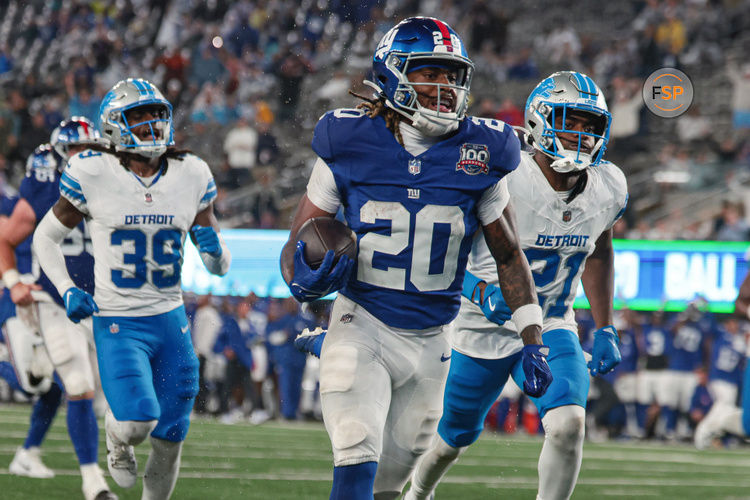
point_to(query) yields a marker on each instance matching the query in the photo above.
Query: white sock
(562, 452)
(431, 467)
(163, 464)
(93, 480)
(732, 422)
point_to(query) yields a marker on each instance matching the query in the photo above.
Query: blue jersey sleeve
(503, 145)
(7, 204)
(321, 142)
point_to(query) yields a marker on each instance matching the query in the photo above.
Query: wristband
(11, 278)
(527, 315)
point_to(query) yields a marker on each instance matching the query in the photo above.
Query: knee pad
(565, 426)
(77, 377)
(347, 434)
(133, 432)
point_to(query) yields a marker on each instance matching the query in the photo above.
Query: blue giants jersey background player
(40, 188)
(389, 196)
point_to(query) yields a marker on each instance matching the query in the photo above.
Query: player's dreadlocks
(125, 158)
(375, 106)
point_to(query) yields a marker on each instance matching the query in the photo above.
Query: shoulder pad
(334, 129)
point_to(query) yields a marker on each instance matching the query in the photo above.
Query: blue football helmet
(114, 125)
(414, 43)
(556, 96)
(74, 132)
(43, 159)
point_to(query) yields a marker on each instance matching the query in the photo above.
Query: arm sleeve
(48, 236)
(321, 188)
(493, 202)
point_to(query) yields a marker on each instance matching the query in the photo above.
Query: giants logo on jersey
(474, 159)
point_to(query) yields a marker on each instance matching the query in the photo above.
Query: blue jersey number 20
(166, 245)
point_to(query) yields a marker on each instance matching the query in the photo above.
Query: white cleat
(709, 428)
(94, 485)
(120, 457)
(28, 463)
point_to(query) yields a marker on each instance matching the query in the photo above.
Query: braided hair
(375, 106)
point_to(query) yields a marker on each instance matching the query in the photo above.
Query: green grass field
(293, 461)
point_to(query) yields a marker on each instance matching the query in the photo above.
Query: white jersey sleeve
(77, 174)
(321, 188)
(208, 194)
(614, 179)
(493, 202)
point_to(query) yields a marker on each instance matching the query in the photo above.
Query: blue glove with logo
(605, 355)
(311, 342)
(535, 369)
(207, 240)
(79, 304)
(308, 284)
(492, 303)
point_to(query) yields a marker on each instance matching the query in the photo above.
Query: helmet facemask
(154, 132)
(454, 96)
(577, 158)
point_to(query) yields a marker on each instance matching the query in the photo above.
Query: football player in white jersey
(40, 307)
(566, 200)
(726, 418)
(140, 198)
(416, 178)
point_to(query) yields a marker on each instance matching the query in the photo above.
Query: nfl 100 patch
(475, 159)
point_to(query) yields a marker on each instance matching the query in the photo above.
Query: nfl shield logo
(114, 328)
(415, 166)
(149, 199)
(566, 216)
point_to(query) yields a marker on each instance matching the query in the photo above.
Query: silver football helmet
(556, 96)
(125, 96)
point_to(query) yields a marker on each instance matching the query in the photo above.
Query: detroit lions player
(38, 303)
(416, 179)
(567, 200)
(140, 198)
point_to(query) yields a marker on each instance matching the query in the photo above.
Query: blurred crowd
(674, 367)
(249, 78)
(249, 367)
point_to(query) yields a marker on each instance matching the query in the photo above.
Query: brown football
(321, 234)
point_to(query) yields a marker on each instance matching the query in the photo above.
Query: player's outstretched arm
(16, 228)
(519, 292)
(598, 282)
(305, 283)
(211, 246)
(48, 237)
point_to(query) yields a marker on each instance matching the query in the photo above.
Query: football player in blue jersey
(26, 366)
(567, 199)
(141, 197)
(727, 418)
(69, 345)
(691, 334)
(416, 179)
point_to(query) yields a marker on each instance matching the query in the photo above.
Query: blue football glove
(311, 342)
(79, 304)
(605, 355)
(535, 369)
(308, 284)
(492, 303)
(207, 240)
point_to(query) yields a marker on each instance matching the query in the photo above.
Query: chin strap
(433, 126)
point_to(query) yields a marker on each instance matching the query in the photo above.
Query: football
(321, 234)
